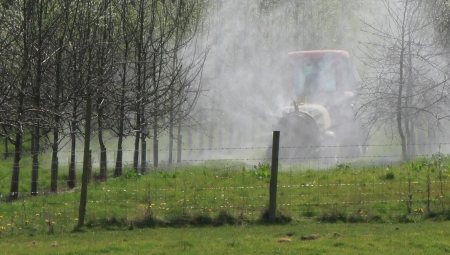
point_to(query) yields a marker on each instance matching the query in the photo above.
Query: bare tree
(404, 82)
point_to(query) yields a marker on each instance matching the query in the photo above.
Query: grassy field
(214, 193)
(423, 238)
(218, 207)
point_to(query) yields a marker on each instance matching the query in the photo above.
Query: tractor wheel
(299, 138)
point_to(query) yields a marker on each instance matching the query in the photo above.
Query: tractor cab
(318, 104)
(321, 77)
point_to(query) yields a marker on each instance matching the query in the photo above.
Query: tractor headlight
(329, 135)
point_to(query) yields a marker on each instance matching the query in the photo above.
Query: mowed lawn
(426, 237)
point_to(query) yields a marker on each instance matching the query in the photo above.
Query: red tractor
(319, 122)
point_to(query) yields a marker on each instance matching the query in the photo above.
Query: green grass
(193, 195)
(424, 238)
(160, 212)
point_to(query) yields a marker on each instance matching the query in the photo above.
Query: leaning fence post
(274, 176)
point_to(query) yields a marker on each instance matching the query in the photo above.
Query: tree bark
(54, 163)
(14, 191)
(400, 88)
(71, 182)
(86, 161)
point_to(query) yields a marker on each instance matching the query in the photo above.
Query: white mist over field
(244, 76)
(245, 70)
(249, 42)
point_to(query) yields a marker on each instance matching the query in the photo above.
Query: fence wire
(236, 182)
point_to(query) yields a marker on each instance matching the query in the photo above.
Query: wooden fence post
(274, 176)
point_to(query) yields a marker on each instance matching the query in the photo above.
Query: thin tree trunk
(400, 90)
(57, 119)
(143, 154)
(103, 156)
(54, 163)
(71, 182)
(179, 143)
(155, 142)
(189, 140)
(201, 136)
(136, 143)
(37, 96)
(86, 162)
(119, 160)
(14, 191)
(171, 131)
(35, 159)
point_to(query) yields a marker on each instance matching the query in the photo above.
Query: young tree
(404, 83)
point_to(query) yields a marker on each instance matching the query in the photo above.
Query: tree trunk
(54, 163)
(119, 160)
(201, 137)
(14, 191)
(143, 155)
(72, 182)
(179, 143)
(400, 92)
(103, 157)
(136, 143)
(86, 162)
(155, 142)
(211, 133)
(170, 135)
(189, 140)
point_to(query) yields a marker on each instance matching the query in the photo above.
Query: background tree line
(69, 68)
(404, 88)
(138, 70)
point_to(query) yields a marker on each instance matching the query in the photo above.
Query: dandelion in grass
(2, 228)
(8, 225)
(59, 214)
(76, 219)
(441, 196)
(53, 222)
(1, 217)
(65, 203)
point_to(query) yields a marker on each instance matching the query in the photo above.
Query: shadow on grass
(223, 218)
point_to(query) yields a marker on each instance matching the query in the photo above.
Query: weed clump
(280, 218)
(389, 175)
(333, 216)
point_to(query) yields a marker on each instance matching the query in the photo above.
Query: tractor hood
(318, 112)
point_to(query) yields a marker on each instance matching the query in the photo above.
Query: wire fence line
(252, 153)
(238, 185)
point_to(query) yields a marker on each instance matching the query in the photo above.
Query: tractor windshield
(314, 76)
